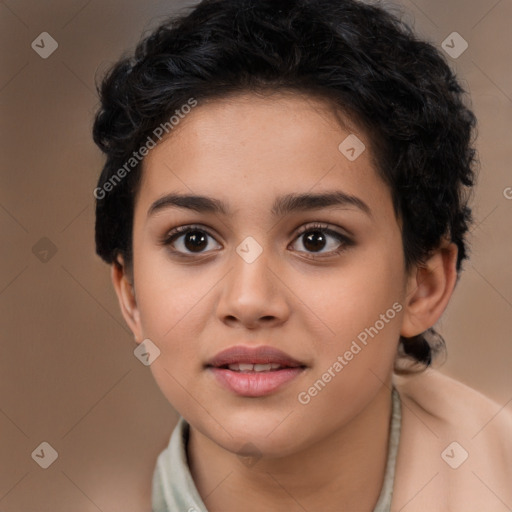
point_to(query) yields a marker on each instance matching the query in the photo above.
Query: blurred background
(67, 371)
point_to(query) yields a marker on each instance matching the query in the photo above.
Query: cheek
(353, 363)
(172, 308)
(170, 296)
(362, 306)
(355, 296)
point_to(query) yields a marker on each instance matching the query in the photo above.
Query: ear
(429, 289)
(123, 285)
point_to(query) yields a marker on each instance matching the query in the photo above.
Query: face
(322, 281)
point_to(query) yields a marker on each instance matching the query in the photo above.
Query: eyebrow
(283, 205)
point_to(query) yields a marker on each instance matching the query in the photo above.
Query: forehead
(246, 121)
(250, 147)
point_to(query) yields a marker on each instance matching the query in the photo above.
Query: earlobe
(429, 290)
(125, 292)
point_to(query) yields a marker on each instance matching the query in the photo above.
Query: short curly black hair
(360, 58)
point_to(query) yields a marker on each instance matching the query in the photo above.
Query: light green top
(174, 489)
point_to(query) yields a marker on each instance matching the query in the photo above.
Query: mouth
(254, 367)
(254, 372)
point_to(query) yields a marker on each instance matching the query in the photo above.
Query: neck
(344, 471)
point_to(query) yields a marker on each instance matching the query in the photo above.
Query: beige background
(67, 369)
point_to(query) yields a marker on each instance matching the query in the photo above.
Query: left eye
(316, 238)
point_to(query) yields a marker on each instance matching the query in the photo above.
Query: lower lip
(255, 384)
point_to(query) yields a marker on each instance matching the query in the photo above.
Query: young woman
(284, 204)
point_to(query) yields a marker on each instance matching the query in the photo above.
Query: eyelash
(346, 242)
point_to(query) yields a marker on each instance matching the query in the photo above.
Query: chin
(254, 433)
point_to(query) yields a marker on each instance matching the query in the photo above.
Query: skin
(247, 150)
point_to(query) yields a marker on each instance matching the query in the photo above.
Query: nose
(253, 295)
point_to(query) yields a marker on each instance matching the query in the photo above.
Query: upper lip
(253, 355)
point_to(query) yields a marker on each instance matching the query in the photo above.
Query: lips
(254, 372)
(259, 356)
(249, 367)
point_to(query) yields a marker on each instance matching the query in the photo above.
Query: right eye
(187, 240)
